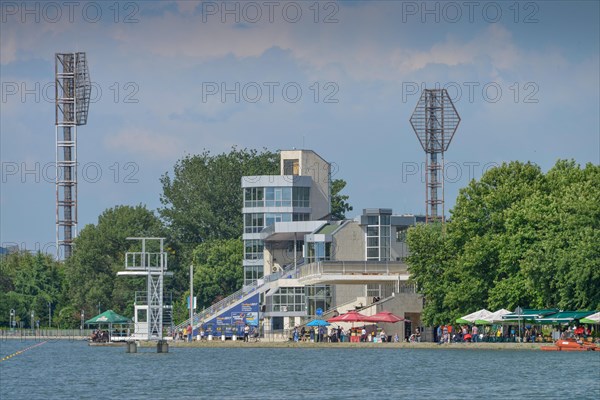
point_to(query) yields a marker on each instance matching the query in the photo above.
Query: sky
(340, 78)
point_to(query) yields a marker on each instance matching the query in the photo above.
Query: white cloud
(141, 142)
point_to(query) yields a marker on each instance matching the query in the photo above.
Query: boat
(570, 343)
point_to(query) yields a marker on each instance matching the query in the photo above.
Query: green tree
(203, 199)
(91, 272)
(339, 203)
(217, 269)
(517, 237)
(29, 282)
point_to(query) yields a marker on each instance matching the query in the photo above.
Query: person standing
(246, 332)
(189, 331)
(475, 334)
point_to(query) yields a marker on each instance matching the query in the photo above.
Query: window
(318, 251)
(253, 249)
(253, 222)
(252, 273)
(401, 233)
(289, 299)
(271, 218)
(254, 197)
(291, 167)
(300, 217)
(278, 197)
(378, 237)
(300, 197)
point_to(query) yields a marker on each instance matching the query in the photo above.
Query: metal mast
(434, 121)
(72, 99)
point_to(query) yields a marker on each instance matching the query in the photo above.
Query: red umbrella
(385, 316)
(350, 316)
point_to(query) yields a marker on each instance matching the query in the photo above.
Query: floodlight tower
(434, 121)
(72, 101)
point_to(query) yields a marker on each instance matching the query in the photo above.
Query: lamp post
(32, 322)
(49, 314)
(82, 319)
(12, 319)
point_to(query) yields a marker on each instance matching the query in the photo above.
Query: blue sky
(524, 78)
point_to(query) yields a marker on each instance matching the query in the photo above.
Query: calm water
(63, 369)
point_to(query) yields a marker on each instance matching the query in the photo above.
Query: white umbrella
(496, 316)
(469, 319)
(592, 319)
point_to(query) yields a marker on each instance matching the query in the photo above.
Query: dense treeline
(201, 220)
(517, 237)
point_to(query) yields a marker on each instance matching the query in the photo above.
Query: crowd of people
(100, 336)
(338, 334)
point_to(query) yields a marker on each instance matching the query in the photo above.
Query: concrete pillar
(131, 347)
(162, 346)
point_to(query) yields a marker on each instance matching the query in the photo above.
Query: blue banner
(232, 321)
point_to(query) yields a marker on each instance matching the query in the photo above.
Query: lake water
(65, 369)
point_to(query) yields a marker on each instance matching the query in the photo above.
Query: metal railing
(353, 268)
(240, 294)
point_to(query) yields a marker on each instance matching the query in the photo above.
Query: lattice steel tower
(72, 100)
(434, 121)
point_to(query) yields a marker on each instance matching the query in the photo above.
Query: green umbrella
(108, 317)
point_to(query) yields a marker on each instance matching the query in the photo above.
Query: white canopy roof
(481, 314)
(593, 317)
(497, 315)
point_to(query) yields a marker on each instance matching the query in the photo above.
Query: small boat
(570, 343)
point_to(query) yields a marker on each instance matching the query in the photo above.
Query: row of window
(277, 197)
(255, 222)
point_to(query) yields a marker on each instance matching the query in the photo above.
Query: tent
(528, 314)
(591, 319)
(563, 317)
(496, 316)
(350, 316)
(471, 318)
(385, 316)
(108, 317)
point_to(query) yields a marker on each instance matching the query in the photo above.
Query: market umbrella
(591, 319)
(108, 317)
(318, 322)
(350, 316)
(496, 316)
(470, 318)
(385, 316)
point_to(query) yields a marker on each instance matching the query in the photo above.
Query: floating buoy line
(23, 351)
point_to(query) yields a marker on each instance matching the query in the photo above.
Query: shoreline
(238, 344)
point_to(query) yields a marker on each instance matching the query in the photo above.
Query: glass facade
(318, 296)
(288, 299)
(318, 251)
(254, 222)
(253, 249)
(252, 273)
(254, 197)
(378, 237)
(260, 197)
(277, 197)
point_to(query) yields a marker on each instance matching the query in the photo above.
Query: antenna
(72, 101)
(434, 121)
